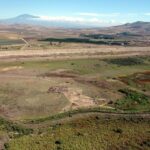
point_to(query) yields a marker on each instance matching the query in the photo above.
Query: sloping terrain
(62, 104)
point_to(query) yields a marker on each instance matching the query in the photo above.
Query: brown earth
(75, 53)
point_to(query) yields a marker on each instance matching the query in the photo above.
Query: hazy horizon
(94, 13)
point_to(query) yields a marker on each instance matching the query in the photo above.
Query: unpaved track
(76, 53)
(26, 44)
(47, 123)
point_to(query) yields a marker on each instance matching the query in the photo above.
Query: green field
(10, 42)
(88, 41)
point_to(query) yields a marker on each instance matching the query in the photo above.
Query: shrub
(133, 101)
(58, 142)
(6, 146)
(118, 130)
(125, 61)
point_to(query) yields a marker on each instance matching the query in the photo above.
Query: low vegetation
(93, 132)
(89, 41)
(139, 80)
(72, 113)
(10, 42)
(98, 36)
(133, 101)
(111, 36)
(14, 128)
(126, 61)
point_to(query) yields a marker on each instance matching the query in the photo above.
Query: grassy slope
(93, 133)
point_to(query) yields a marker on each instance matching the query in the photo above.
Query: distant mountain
(138, 27)
(37, 20)
(35, 26)
(26, 16)
(22, 19)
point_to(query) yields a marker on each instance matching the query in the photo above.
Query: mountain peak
(26, 16)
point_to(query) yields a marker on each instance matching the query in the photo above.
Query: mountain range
(47, 21)
(33, 25)
(51, 22)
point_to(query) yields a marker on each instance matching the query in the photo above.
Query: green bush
(133, 101)
(126, 61)
(12, 127)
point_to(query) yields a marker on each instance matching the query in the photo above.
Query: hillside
(136, 27)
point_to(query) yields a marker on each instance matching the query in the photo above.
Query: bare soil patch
(57, 89)
(60, 75)
(11, 68)
(78, 99)
(74, 95)
(138, 78)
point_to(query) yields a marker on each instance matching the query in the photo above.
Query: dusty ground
(26, 80)
(25, 95)
(71, 53)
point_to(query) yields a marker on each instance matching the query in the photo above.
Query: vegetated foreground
(93, 132)
(42, 95)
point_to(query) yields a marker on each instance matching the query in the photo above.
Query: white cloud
(62, 18)
(93, 21)
(98, 14)
(88, 14)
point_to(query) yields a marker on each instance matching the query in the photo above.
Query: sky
(104, 12)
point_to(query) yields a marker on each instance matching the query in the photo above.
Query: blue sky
(89, 11)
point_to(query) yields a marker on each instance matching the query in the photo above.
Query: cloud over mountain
(61, 21)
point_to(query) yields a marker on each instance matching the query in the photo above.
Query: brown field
(72, 53)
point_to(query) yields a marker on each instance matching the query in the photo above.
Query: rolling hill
(136, 27)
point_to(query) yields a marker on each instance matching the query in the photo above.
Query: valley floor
(75, 99)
